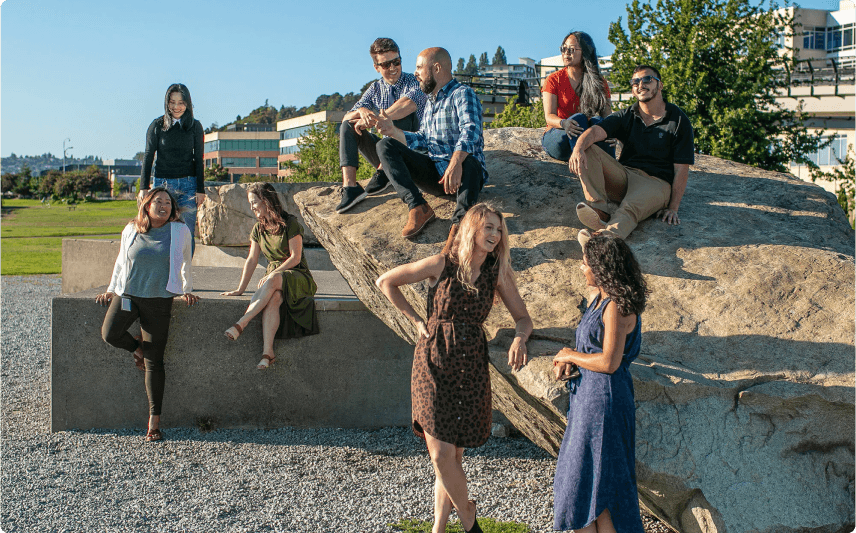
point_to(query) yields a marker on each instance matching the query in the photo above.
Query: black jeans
(350, 143)
(410, 171)
(154, 315)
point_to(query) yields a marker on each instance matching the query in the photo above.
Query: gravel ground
(224, 480)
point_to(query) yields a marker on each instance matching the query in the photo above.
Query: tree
(844, 178)
(471, 67)
(483, 62)
(499, 57)
(216, 173)
(720, 64)
(460, 68)
(139, 156)
(319, 156)
(531, 116)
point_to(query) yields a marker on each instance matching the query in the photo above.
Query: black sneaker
(378, 183)
(351, 196)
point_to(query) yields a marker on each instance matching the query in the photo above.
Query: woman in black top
(177, 139)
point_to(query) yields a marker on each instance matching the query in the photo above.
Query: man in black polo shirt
(651, 174)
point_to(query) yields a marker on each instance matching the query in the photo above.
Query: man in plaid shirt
(398, 94)
(446, 155)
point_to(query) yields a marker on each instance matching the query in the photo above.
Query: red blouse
(559, 83)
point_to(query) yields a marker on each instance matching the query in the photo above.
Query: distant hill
(268, 114)
(37, 163)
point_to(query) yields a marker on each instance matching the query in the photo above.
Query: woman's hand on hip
(190, 299)
(422, 329)
(104, 299)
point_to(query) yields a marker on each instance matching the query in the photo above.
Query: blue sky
(96, 71)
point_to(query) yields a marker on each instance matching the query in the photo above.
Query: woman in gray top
(152, 268)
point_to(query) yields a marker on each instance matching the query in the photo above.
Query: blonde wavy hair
(462, 249)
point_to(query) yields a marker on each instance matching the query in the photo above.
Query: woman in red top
(574, 98)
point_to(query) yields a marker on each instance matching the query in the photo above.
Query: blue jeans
(560, 145)
(184, 191)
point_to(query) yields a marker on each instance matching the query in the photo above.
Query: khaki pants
(638, 194)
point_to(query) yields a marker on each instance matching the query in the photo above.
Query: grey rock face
(225, 218)
(745, 385)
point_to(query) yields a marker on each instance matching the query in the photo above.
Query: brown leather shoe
(417, 219)
(450, 240)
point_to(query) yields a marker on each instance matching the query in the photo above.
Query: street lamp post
(64, 149)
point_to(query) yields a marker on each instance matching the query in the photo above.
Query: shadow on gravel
(390, 442)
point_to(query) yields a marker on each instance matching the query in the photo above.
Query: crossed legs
(450, 485)
(266, 301)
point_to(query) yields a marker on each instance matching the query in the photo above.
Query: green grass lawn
(32, 233)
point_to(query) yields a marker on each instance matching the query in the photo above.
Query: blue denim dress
(596, 469)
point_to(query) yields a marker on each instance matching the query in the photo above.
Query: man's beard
(650, 95)
(428, 85)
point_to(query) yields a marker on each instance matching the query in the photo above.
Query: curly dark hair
(617, 272)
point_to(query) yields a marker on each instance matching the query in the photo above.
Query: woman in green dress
(285, 293)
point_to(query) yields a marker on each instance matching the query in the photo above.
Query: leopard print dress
(450, 383)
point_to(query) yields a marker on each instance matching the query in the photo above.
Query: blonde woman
(450, 383)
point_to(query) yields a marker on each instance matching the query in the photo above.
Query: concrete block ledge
(356, 373)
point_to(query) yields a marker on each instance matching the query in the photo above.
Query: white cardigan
(180, 255)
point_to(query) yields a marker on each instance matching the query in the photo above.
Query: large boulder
(225, 218)
(745, 384)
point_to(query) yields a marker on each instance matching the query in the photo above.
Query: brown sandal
(234, 336)
(266, 361)
(154, 435)
(139, 360)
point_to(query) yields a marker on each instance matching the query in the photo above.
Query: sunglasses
(569, 50)
(386, 65)
(645, 79)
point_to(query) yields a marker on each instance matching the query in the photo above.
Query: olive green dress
(297, 316)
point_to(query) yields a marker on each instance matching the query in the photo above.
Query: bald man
(446, 155)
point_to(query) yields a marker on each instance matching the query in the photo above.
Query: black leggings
(154, 315)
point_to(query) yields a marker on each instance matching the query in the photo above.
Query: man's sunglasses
(645, 79)
(386, 65)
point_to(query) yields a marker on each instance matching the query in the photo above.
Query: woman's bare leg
(442, 503)
(261, 298)
(448, 468)
(270, 322)
(604, 522)
(154, 422)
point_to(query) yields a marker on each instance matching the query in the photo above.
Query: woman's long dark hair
(142, 222)
(617, 272)
(275, 220)
(182, 89)
(593, 98)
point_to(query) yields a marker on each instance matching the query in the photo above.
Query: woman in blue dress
(595, 485)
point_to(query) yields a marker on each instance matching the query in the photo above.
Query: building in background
(248, 149)
(290, 130)
(825, 50)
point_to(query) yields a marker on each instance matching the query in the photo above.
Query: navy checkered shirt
(452, 122)
(381, 95)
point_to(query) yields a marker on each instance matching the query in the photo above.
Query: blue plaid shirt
(381, 95)
(452, 122)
